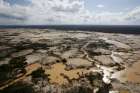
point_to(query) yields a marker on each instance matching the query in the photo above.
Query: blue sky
(21, 2)
(108, 12)
(112, 5)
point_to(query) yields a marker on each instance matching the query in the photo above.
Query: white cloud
(16, 10)
(100, 6)
(63, 12)
(133, 15)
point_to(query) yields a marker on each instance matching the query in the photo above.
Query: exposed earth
(52, 61)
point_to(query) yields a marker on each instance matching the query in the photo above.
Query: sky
(57, 12)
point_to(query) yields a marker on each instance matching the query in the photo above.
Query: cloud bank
(100, 6)
(62, 12)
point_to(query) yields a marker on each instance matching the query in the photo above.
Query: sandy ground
(116, 56)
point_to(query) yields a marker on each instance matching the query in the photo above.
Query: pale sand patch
(22, 53)
(49, 60)
(104, 59)
(36, 57)
(117, 43)
(130, 74)
(69, 53)
(79, 62)
(115, 58)
(79, 35)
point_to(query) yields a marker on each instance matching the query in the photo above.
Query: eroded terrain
(50, 61)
